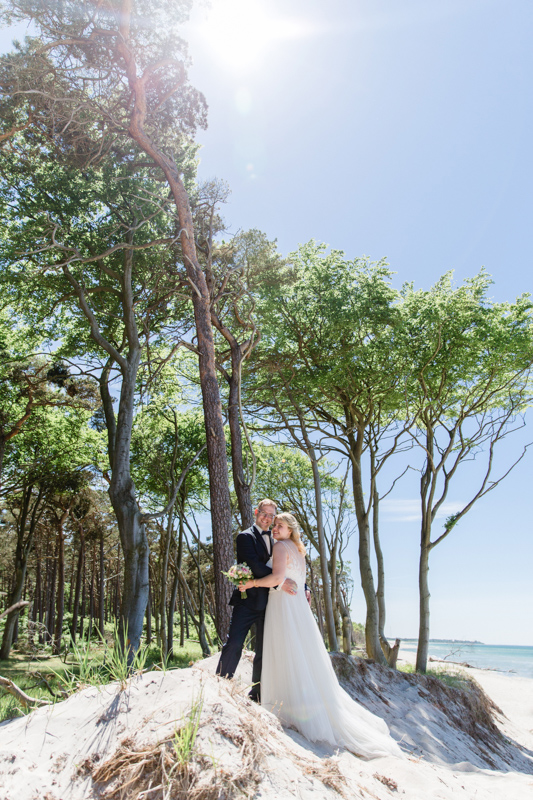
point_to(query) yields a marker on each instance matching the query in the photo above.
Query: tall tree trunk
(36, 601)
(182, 614)
(373, 645)
(149, 618)
(83, 597)
(328, 605)
(390, 653)
(91, 595)
(242, 488)
(51, 614)
(427, 491)
(2, 452)
(60, 603)
(101, 594)
(171, 611)
(79, 578)
(131, 527)
(72, 580)
(424, 595)
(166, 540)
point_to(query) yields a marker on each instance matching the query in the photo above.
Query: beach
(55, 752)
(513, 694)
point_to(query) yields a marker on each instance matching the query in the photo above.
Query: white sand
(43, 756)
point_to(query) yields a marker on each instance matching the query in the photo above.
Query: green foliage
(468, 355)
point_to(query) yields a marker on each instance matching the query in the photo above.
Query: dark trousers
(242, 620)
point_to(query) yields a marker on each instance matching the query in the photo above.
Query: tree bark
(149, 619)
(424, 595)
(165, 553)
(171, 611)
(427, 491)
(373, 645)
(242, 488)
(60, 603)
(51, 610)
(101, 595)
(124, 501)
(390, 653)
(328, 605)
(77, 590)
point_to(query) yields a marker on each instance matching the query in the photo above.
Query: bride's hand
(243, 587)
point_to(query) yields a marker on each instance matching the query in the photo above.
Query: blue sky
(397, 130)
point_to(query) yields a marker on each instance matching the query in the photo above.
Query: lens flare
(239, 33)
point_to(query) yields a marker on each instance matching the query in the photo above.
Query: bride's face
(280, 530)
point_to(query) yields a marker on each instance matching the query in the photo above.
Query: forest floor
(201, 738)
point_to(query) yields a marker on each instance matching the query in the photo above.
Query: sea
(507, 659)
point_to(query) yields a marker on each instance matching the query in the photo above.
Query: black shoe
(255, 698)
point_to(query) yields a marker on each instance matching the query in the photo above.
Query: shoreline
(490, 658)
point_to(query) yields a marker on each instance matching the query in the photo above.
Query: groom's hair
(267, 502)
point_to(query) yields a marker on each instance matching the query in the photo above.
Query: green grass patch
(92, 663)
(454, 679)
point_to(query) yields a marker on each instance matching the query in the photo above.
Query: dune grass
(47, 677)
(455, 679)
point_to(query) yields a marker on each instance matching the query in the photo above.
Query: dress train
(298, 682)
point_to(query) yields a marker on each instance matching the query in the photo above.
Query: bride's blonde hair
(290, 521)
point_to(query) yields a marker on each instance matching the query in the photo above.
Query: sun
(239, 33)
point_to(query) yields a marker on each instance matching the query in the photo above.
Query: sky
(398, 131)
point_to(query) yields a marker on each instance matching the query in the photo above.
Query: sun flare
(239, 33)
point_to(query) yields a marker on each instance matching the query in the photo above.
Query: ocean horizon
(508, 659)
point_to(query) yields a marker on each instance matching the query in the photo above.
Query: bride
(298, 682)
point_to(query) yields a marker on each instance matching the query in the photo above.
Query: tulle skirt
(299, 685)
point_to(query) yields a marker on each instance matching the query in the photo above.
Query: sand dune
(453, 747)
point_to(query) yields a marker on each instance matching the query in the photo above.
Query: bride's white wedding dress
(298, 682)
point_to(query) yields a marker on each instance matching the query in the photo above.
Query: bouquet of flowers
(239, 573)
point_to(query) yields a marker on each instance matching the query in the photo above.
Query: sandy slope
(49, 754)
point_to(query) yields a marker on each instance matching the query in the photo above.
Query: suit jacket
(252, 551)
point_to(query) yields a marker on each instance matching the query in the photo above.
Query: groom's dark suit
(251, 550)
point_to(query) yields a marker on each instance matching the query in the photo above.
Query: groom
(254, 548)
